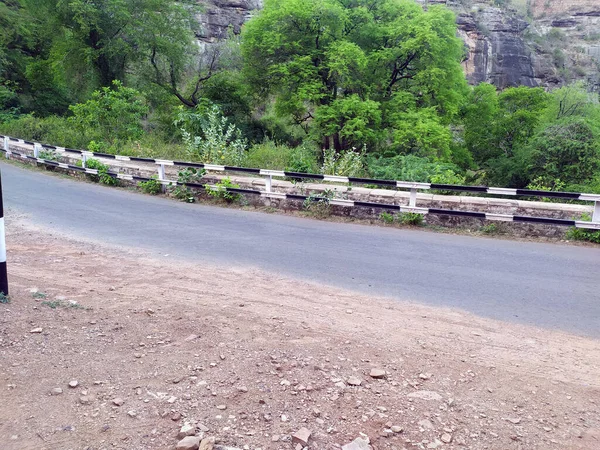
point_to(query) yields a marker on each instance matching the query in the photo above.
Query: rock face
(220, 16)
(505, 46)
(497, 52)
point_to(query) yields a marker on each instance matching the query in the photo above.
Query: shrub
(187, 175)
(269, 155)
(319, 204)
(209, 136)
(220, 191)
(303, 159)
(410, 218)
(582, 234)
(152, 186)
(103, 176)
(386, 217)
(414, 168)
(349, 164)
(490, 228)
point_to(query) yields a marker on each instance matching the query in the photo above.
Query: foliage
(414, 168)
(103, 175)
(582, 234)
(410, 218)
(342, 63)
(48, 155)
(220, 191)
(209, 136)
(152, 186)
(490, 228)
(319, 204)
(4, 299)
(54, 304)
(187, 175)
(348, 164)
(111, 115)
(386, 217)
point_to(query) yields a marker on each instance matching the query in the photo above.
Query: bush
(319, 204)
(269, 155)
(209, 136)
(348, 164)
(152, 186)
(49, 130)
(413, 168)
(103, 176)
(187, 175)
(220, 192)
(582, 234)
(413, 219)
(387, 217)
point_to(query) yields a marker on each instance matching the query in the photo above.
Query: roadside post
(3, 274)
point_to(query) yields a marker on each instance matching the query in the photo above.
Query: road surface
(547, 285)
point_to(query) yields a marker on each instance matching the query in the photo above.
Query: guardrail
(269, 174)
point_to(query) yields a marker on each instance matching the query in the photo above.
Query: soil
(251, 357)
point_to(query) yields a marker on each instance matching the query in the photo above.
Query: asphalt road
(547, 285)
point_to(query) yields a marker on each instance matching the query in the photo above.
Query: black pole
(3, 274)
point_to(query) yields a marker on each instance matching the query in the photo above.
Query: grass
(55, 304)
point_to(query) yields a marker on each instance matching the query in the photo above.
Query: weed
(220, 191)
(582, 234)
(410, 218)
(319, 205)
(39, 295)
(48, 155)
(386, 217)
(4, 299)
(152, 186)
(54, 304)
(187, 175)
(490, 228)
(103, 176)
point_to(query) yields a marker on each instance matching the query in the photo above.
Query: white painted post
(596, 215)
(161, 176)
(268, 183)
(6, 147)
(413, 198)
(36, 150)
(83, 160)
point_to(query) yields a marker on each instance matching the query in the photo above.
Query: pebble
(73, 383)
(425, 395)
(397, 429)
(222, 407)
(354, 381)
(118, 401)
(56, 391)
(301, 437)
(131, 413)
(377, 373)
(188, 443)
(357, 444)
(425, 376)
(446, 438)
(37, 330)
(207, 443)
(86, 399)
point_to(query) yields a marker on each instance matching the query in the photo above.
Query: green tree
(320, 59)
(111, 115)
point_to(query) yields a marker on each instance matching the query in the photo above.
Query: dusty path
(177, 342)
(541, 284)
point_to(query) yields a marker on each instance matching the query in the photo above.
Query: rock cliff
(507, 42)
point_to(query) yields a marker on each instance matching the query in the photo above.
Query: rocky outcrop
(220, 17)
(497, 52)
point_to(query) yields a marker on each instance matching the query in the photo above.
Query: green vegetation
(343, 87)
(152, 186)
(220, 192)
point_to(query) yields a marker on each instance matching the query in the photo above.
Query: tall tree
(320, 59)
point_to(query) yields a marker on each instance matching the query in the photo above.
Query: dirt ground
(250, 358)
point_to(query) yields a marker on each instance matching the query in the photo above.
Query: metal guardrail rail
(269, 174)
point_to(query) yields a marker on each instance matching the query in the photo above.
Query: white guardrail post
(413, 198)
(161, 176)
(84, 158)
(6, 147)
(36, 150)
(596, 215)
(268, 183)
